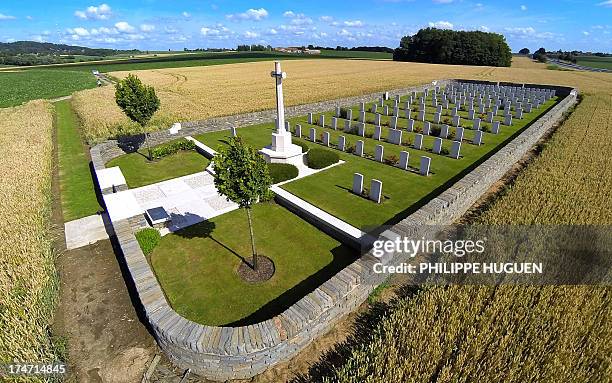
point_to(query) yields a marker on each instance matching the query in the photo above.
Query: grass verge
(78, 193)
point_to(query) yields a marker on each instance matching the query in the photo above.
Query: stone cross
(279, 75)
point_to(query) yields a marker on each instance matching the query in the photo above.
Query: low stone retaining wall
(222, 353)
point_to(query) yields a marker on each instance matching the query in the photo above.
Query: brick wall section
(112, 148)
(222, 353)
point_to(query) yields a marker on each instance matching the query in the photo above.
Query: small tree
(242, 176)
(524, 51)
(138, 101)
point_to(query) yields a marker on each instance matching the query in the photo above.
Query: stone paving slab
(85, 231)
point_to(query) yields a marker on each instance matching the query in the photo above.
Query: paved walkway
(189, 200)
(85, 231)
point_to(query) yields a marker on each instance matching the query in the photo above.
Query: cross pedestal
(282, 150)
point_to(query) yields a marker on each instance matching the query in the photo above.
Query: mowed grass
(403, 191)
(189, 94)
(357, 54)
(78, 193)
(139, 171)
(197, 266)
(20, 86)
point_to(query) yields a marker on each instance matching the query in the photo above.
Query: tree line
(444, 46)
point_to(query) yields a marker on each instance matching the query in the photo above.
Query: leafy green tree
(138, 101)
(444, 46)
(524, 51)
(243, 177)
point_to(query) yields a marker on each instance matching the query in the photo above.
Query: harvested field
(203, 92)
(28, 281)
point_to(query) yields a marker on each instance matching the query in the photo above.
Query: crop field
(513, 333)
(595, 61)
(204, 92)
(28, 281)
(357, 54)
(20, 86)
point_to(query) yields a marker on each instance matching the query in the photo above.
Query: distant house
(299, 50)
(95, 72)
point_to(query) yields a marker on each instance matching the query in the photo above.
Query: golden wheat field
(513, 333)
(28, 281)
(202, 92)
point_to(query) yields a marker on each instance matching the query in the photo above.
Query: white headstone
(298, 130)
(338, 112)
(358, 183)
(376, 190)
(395, 136)
(326, 138)
(508, 120)
(377, 119)
(322, 120)
(477, 124)
(437, 145)
(362, 116)
(455, 149)
(478, 137)
(347, 126)
(349, 114)
(379, 152)
(410, 125)
(310, 118)
(436, 118)
(426, 128)
(404, 156)
(334, 122)
(456, 121)
(361, 129)
(313, 135)
(342, 143)
(459, 134)
(444, 131)
(359, 148)
(233, 130)
(377, 132)
(425, 164)
(495, 127)
(421, 115)
(418, 141)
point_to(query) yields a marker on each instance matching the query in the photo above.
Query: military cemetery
(199, 212)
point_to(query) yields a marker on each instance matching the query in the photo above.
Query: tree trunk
(146, 135)
(248, 210)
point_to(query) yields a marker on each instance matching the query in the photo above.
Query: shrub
(148, 239)
(444, 152)
(344, 112)
(391, 159)
(321, 158)
(435, 130)
(282, 172)
(304, 146)
(485, 128)
(172, 148)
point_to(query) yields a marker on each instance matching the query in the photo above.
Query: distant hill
(33, 47)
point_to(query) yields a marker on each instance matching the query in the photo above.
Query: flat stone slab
(109, 177)
(188, 200)
(85, 231)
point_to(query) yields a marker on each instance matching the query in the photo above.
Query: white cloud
(124, 27)
(441, 24)
(272, 31)
(301, 19)
(523, 7)
(218, 31)
(251, 35)
(529, 33)
(147, 27)
(607, 3)
(484, 28)
(250, 14)
(585, 33)
(28, 17)
(79, 31)
(288, 14)
(6, 17)
(354, 23)
(209, 31)
(344, 33)
(186, 14)
(326, 19)
(101, 12)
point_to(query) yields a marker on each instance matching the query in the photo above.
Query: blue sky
(162, 25)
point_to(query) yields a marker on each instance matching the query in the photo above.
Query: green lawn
(357, 54)
(138, 171)
(196, 266)
(404, 191)
(595, 61)
(77, 188)
(19, 86)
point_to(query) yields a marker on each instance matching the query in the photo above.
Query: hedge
(282, 172)
(172, 148)
(321, 158)
(148, 239)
